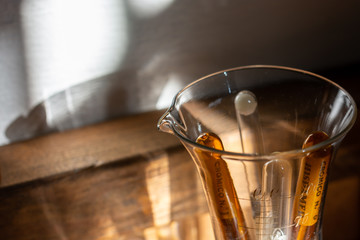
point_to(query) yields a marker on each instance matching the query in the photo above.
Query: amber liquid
(224, 202)
(310, 187)
(220, 189)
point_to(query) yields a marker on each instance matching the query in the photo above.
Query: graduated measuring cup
(264, 176)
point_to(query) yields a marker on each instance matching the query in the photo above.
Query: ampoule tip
(245, 103)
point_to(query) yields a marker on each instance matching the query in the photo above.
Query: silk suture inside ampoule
(276, 202)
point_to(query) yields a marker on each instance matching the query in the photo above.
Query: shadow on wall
(60, 59)
(80, 105)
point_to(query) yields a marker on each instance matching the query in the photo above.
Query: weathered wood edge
(77, 149)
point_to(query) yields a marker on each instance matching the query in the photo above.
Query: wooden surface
(117, 201)
(124, 180)
(82, 148)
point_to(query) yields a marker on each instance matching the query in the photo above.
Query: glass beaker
(264, 170)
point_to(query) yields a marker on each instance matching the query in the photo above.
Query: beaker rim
(246, 156)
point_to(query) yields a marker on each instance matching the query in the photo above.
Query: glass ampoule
(271, 183)
(220, 190)
(310, 187)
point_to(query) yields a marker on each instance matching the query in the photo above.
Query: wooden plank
(94, 145)
(156, 192)
(115, 201)
(142, 198)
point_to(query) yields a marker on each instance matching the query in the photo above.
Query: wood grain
(77, 149)
(116, 201)
(124, 200)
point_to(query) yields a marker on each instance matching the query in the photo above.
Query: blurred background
(70, 63)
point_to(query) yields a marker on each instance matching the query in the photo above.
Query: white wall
(67, 63)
